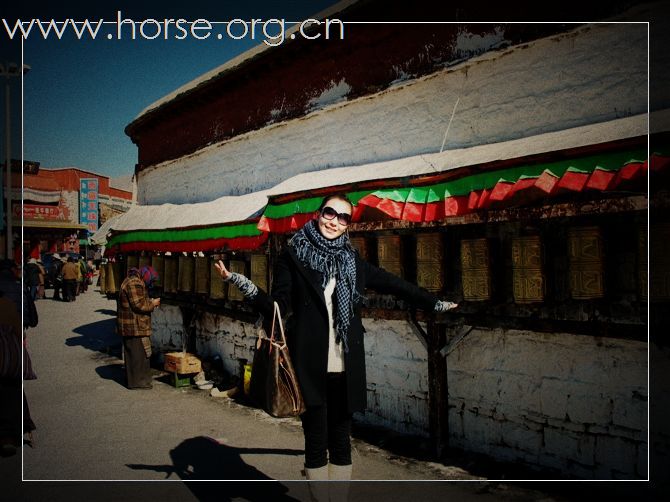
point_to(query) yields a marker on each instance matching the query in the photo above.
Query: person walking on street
(55, 276)
(42, 275)
(32, 277)
(70, 271)
(134, 308)
(319, 280)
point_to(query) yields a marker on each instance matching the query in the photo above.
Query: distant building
(62, 206)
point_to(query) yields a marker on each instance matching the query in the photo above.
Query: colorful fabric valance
(244, 236)
(498, 188)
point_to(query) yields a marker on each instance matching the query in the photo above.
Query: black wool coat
(297, 289)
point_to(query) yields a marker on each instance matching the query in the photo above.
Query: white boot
(318, 483)
(341, 474)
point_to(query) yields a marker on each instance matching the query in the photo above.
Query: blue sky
(80, 94)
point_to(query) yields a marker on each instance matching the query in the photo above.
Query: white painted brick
(589, 403)
(630, 410)
(554, 398)
(481, 432)
(520, 437)
(616, 454)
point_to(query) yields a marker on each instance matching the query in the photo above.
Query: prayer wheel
(585, 253)
(143, 261)
(659, 256)
(201, 275)
(102, 272)
(360, 244)
(430, 261)
(233, 292)
(113, 281)
(528, 282)
(131, 261)
(158, 263)
(389, 254)
(475, 269)
(170, 276)
(217, 288)
(186, 274)
(259, 271)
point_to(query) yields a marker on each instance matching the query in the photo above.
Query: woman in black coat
(318, 283)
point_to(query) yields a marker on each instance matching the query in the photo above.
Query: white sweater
(335, 350)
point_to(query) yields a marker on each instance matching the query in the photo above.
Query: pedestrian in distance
(31, 277)
(56, 277)
(319, 281)
(70, 273)
(134, 308)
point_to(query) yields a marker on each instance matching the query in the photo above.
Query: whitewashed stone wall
(594, 74)
(573, 403)
(577, 404)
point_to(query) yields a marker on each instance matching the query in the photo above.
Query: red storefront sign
(40, 212)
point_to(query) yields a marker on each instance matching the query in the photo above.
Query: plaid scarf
(332, 258)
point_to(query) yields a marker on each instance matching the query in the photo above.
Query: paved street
(90, 427)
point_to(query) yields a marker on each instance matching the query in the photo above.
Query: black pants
(69, 290)
(138, 367)
(327, 428)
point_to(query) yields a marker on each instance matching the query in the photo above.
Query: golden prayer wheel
(585, 254)
(233, 292)
(131, 261)
(389, 254)
(430, 261)
(143, 261)
(186, 273)
(158, 263)
(217, 288)
(259, 271)
(528, 282)
(360, 244)
(475, 269)
(113, 277)
(171, 265)
(201, 275)
(659, 255)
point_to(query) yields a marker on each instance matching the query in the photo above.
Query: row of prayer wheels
(585, 259)
(196, 274)
(186, 274)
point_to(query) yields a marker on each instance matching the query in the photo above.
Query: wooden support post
(438, 390)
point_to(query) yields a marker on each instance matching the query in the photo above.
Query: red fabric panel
(500, 191)
(249, 243)
(573, 181)
(601, 180)
(454, 206)
(546, 182)
(434, 211)
(413, 211)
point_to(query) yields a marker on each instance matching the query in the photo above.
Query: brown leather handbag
(274, 386)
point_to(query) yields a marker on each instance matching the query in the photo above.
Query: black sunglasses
(329, 213)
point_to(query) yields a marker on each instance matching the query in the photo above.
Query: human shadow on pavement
(106, 312)
(99, 336)
(204, 458)
(113, 372)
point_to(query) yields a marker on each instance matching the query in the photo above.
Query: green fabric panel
(198, 234)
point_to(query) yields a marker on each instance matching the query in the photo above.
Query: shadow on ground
(99, 336)
(204, 458)
(113, 372)
(106, 312)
